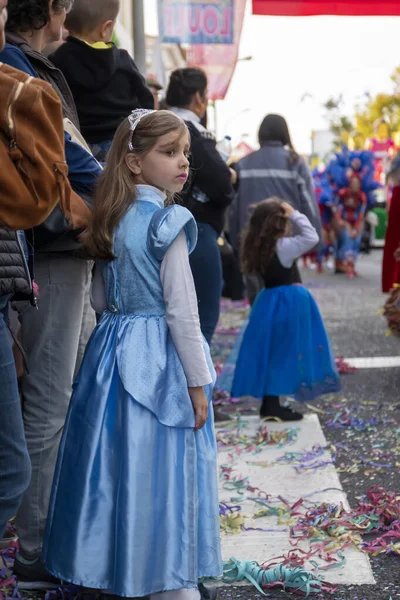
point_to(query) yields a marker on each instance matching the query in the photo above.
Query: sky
(298, 63)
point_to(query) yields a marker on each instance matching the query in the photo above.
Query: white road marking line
(375, 362)
(283, 480)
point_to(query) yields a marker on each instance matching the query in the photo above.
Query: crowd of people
(108, 457)
(346, 190)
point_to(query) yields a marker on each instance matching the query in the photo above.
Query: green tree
(382, 105)
(385, 106)
(340, 125)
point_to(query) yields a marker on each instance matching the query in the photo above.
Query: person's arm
(235, 182)
(139, 86)
(291, 248)
(308, 203)
(83, 169)
(182, 312)
(362, 210)
(98, 298)
(14, 57)
(234, 224)
(210, 174)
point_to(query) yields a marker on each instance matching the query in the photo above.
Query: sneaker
(340, 267)
(32, 575)
(207, 593)
(8, 538)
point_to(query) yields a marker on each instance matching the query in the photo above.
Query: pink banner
(196, 21)
(219, 61)
(305, 8)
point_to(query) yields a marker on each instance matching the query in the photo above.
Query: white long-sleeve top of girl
(285, 349)
(137, 474)
(304, 238)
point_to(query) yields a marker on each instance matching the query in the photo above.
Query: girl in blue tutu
(134, 507)
(285, 349)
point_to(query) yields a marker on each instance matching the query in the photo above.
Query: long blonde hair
(116, 189)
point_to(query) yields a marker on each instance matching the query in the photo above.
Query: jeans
(54, 338)
(15, 466)
(347, 247)
(206, 265)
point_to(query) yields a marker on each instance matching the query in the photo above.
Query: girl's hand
(200, 406)
(354, 234)
(287, 209)
(397, 254)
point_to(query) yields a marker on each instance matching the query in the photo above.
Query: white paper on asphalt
(283, 480)
(374, 362)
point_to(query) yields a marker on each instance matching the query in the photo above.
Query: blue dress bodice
(141, 241)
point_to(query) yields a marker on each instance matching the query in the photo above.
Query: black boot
(271, 408)
(207, 593)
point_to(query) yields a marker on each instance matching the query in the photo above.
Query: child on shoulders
(104, 80)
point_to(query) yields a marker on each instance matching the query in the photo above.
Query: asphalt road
(350, 309)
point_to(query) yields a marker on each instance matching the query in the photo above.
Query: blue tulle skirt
(134, 507)
(285, 349)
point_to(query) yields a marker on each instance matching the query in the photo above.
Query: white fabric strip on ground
(374, 362)
(283, 480)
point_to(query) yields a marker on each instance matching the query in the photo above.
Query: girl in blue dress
(134, 507)
(285, 349)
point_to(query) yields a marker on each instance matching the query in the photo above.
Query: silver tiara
(134, 119)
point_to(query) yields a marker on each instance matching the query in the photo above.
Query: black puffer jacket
(15, 276)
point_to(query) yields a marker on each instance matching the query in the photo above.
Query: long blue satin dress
(134, 506)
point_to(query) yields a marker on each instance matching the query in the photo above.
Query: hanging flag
(306, 8)
(219, 62)
(196, 22)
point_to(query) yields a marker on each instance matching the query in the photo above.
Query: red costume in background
(391, 268)
(352, 207)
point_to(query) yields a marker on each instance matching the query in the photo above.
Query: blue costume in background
(329, 183)
(134, 507)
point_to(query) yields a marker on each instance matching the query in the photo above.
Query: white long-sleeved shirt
(289, 249)
(182, 313)
(181, 310)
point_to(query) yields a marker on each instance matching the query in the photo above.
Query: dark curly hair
(32, 15)
(184, 84)
(267, 225)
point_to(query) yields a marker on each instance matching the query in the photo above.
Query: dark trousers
(15, 467)
(206, 265)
